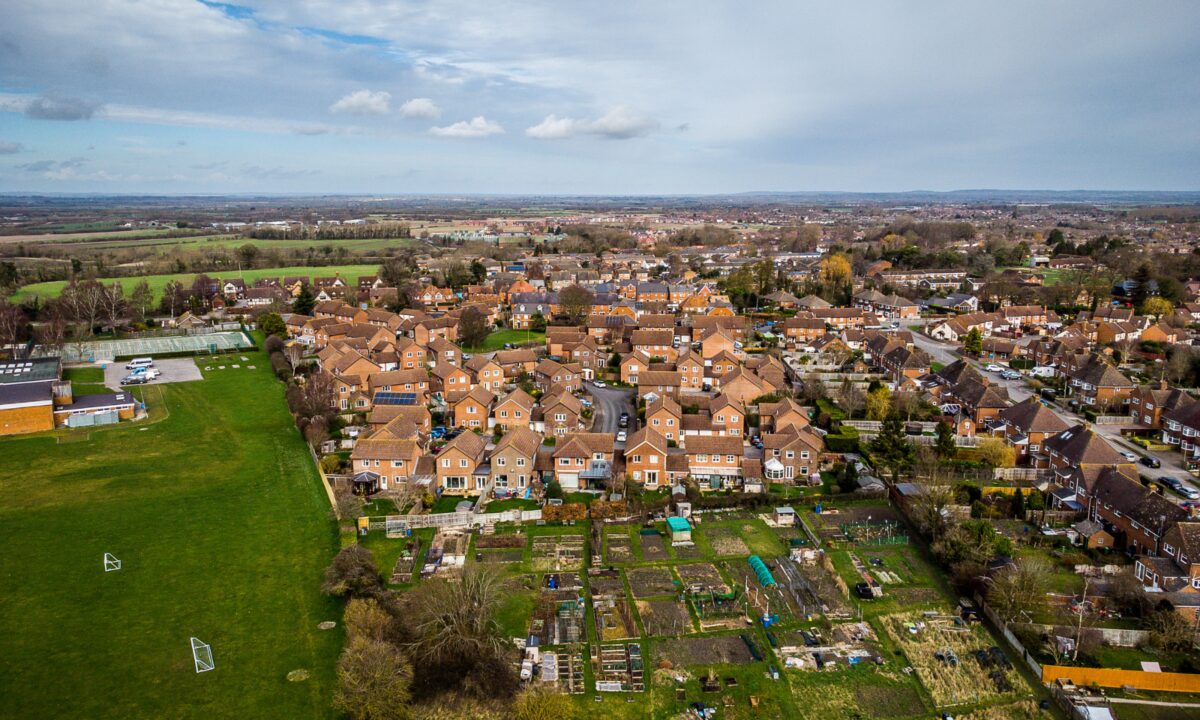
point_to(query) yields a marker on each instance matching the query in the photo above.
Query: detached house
(1027, 426)
(646, 457)
(664, 416)
(388, 461)
(715, 461)
(513, 410)
(513, 459)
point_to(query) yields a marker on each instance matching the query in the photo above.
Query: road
(610, 402)
(1172, 464)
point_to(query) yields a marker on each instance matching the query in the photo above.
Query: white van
(139, 363)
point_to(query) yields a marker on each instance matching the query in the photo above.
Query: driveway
(609, 403)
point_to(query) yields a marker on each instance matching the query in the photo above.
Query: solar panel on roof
(395, 398)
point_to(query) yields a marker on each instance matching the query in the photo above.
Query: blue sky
(355, 96)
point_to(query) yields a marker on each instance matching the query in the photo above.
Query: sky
(565, 97)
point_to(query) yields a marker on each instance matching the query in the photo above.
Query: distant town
(738, 457)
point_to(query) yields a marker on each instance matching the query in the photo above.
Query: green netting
(760, 570)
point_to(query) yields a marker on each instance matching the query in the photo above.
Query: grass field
(497, 339)
(158, 282)
(217, 514)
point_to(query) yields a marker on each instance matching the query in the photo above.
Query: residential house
(458, 463)
(583, 460)
(715, 461)
(512, 460)
(646, 457)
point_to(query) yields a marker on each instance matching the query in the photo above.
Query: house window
(446, 463)
(701, 458)
(462, 463)
(728, 458)
(562, 461)
(520, 462)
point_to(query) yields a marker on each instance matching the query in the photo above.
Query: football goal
(202, 655)
(111, 562)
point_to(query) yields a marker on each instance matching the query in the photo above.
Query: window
(636, 458)
(521, 462)
(702, 458)
(729, 458)
(462, 463)
(500, 462)
(791, 454)
(445, 463)
(562, 461)
(365, 463)
(397, 463)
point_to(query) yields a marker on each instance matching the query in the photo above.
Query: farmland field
(216, 512)
(158, 282)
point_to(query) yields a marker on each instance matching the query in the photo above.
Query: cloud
(553, 128)
(10, 148)
(478, 126)
(420, 108)
(363, 102)
(56, 169)
(60, 108)
(620, 123)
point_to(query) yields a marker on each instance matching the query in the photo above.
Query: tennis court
(108, 350)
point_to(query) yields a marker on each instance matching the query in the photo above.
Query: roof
(715, 445)
(32, 370)
(1032, 416)
(678, 524)
(521, 439)
(1082, 446)
(468, 443)
(26, 394)
(581, 444)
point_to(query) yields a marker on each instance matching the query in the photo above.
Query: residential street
(610, 402)
(1172, 465)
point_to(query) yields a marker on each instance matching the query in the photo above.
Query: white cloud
(363, 102)
(420, 108)
(620, 123)
(553, 128)
(478, 126)
(10, 148)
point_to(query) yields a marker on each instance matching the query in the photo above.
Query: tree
(835, 272)
(973, 342)
(142, 299)
(576, 303)
(1169, 631)
(273, 325)
(538, 702)
(945, 446)
(14, 326)
(892, 448)
(478, 271)
(374, 681)
(1018, 589)
(456, 633)
(1018, 505)
(538, 323)
(472, 328)
(879, 403)
(318, 396)
(352, 574)
(247, 254)
(996, 452)
(1158, 307)
(365, 619)
(929, 508)
(553, 490)
(305, 301)
(905, 403)
(174, 298)
(395, 272)
(851, 397)
(317, 429)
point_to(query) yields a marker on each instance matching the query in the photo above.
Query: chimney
(62, 393)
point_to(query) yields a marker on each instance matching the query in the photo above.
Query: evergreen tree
(945, 446)
(973, 342)
(304, 302)
(1018, 505)
(892, 448)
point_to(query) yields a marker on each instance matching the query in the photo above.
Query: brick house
(473, 409)
(646, 457)
(513, 410)
(457, 464)
(715, 461)
(664, 416)
(513, 459)
(583, 460)
(393, 461)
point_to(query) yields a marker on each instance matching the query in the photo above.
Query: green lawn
(217, 514)
(498, 338)
(86, 381)
(158, 282)
(513, 503)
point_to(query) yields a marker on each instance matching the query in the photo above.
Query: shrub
(280, 366)
(352, 574)
(331, 464)
(273, 344)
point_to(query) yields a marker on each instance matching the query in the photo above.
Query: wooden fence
(1112, 678)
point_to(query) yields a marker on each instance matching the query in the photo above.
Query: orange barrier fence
(1110, 678)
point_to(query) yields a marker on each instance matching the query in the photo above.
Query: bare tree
(13, 324)
(1019, 589)
(930, 508)
(374, 681)
(319, 396)
(851, 397)
(113, 304)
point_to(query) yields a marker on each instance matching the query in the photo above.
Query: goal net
(202, 655)
(111, 562)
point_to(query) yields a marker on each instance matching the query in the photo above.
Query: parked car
(994, 368)
(1010, 375)
(621, 435)
(1128, 456)
(624, 420)
(150, 373)
(1048, 393)
(599, 383)
(438, 432)
(1151, 462)
(135, 380)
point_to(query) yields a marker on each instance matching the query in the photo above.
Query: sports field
(158, 282)
(223, 529)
